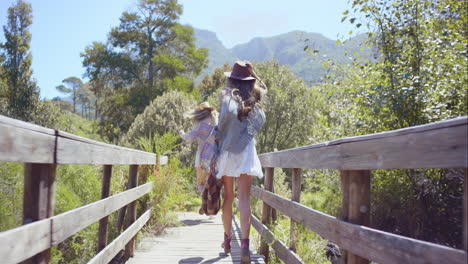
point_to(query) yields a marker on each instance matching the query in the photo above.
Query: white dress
(234, 164)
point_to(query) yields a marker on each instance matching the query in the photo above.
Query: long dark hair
(247, 94)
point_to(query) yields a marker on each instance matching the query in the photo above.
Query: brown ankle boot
(245, 252)
(227, 243)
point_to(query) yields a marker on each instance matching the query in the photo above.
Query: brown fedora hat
(240, 71)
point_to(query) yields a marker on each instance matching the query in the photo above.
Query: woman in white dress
(241, 118)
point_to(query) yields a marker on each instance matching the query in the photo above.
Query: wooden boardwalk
(198, 240)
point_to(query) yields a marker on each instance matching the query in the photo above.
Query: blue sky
(63, 28)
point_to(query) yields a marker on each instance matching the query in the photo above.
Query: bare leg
(227, 204)
(245, 182)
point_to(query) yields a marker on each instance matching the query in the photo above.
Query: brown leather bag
(211, 196)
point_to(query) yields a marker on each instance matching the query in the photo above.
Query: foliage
(164, 114)
(11, 194)
(21, 93)
(418, 77)
(292, 109)
(147, 54)
(421, 75)
(71, 85)
(213, 82)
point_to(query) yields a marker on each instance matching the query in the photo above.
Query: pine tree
(22, 93)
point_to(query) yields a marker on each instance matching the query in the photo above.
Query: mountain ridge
(303, 51)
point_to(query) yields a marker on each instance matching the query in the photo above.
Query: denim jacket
(233, 134)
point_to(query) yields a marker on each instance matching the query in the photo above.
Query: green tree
(147, 54)
(71, 86)
(22, 93)
(213, 82)
(420, 74)
(3, 89)
(165, 114)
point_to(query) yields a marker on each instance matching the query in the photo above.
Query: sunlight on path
(197, 241)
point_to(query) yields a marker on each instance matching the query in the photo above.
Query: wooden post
(296, 197)
(356, 203)
(39, 199)
(121, 216)
(106, 186)
(273, 214)
(268, 184)
(131, 214)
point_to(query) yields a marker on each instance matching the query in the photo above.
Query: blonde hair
(200, 114)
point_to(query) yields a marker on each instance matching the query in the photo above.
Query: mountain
(304, 52)
(218, 54)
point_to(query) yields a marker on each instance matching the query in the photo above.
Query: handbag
(211, 196)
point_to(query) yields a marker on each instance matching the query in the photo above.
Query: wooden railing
(436, 145)
(42, 149)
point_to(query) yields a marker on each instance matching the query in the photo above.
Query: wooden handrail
(42, 149)
(436, 145)
(25, 142)
(375, 245)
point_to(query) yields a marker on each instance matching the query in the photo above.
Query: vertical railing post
(296, 197)
(268, 185)
(273, 213)
(39, 199)
(131, 210)
(106, 186)
(356, 203)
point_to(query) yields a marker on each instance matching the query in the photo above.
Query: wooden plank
(106, 255)
(187, 242)
(436, 145)
(105, 192)
(131, 214)
(296, 197)
(372, 244)
(68, 223)
(282, 251)
(358, 203)
(38, 201)
(75, 150)
(24, 145)
(268, 185)
(21, 125)
(344, 177)
(25, 241)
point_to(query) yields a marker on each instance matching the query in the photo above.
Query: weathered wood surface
(72, 149)
(131, 209)
(197, 240)
(105, 192)
(371, 244)
(25, 125)
(25, 241)
(282, 251)
(436, 145)
(68, 223)
(109, 252)
(356, 184)
(39, 199)
(22, 144)
(296, 197)
(266, 210)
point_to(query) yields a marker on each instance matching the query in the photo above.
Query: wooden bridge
(437, 145)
